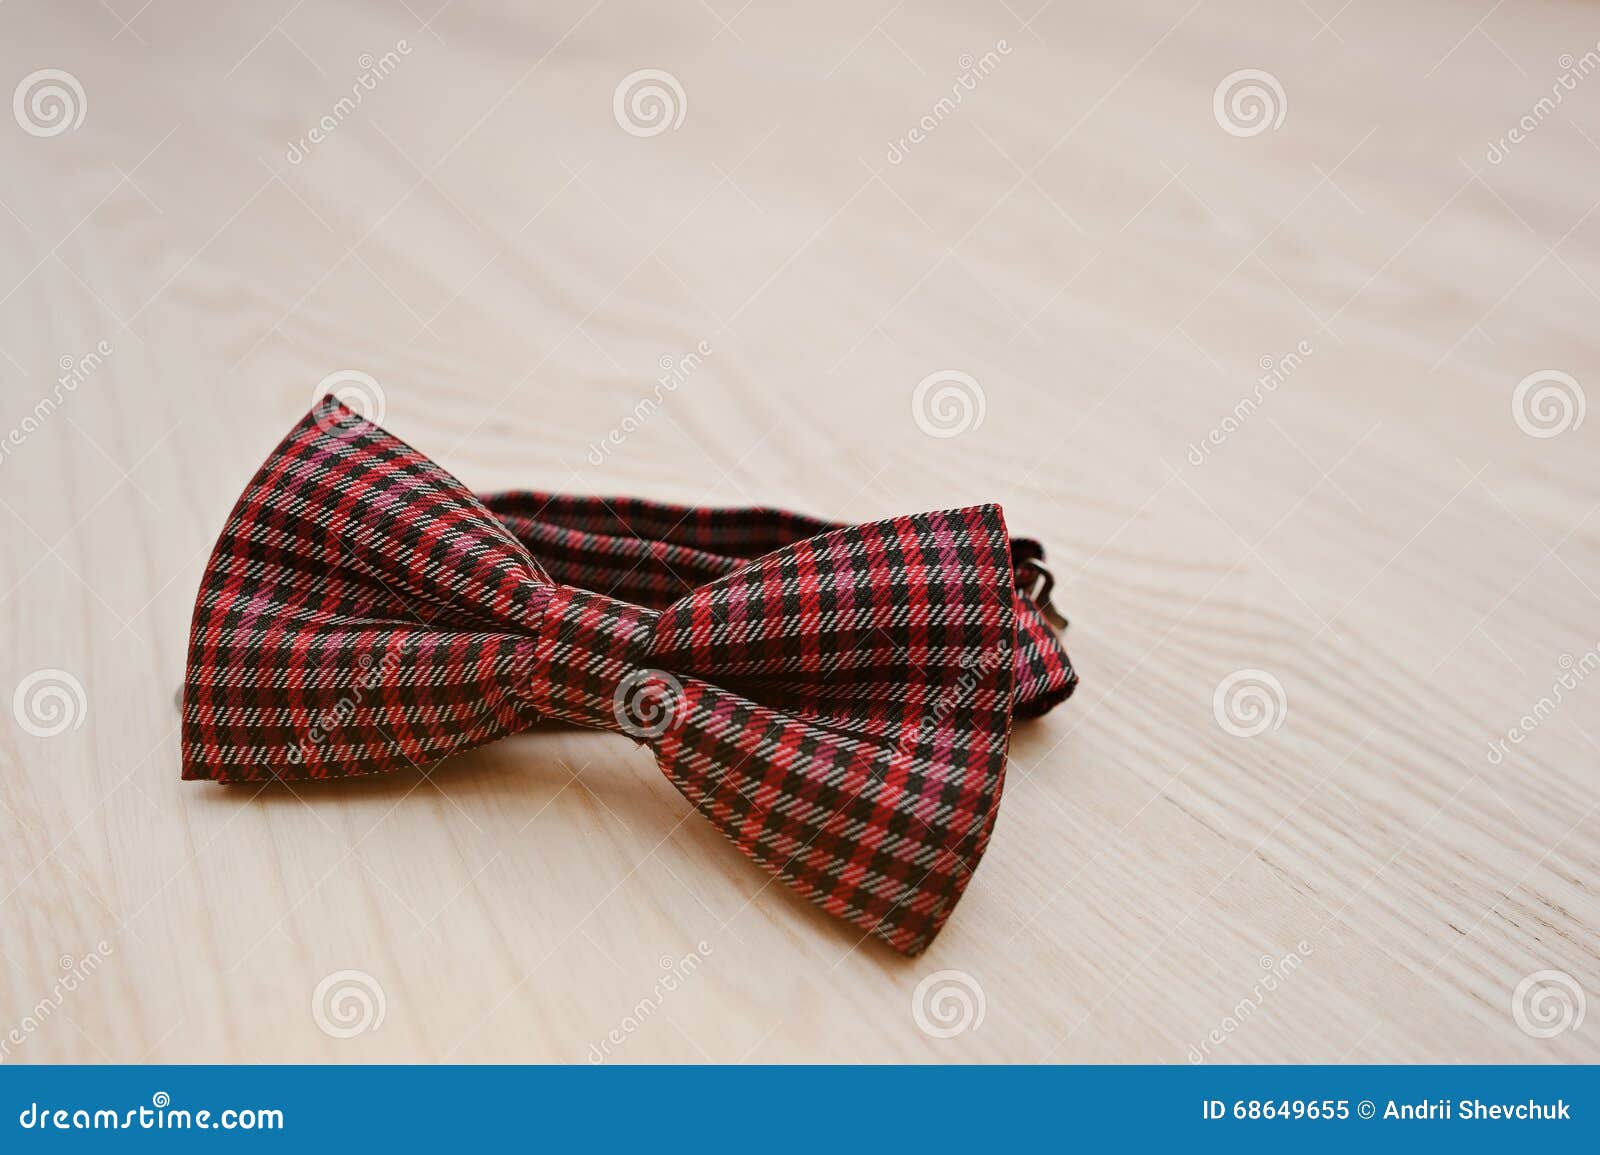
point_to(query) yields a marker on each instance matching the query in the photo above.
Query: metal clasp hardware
(1043, 582)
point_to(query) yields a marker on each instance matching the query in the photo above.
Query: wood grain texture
(1082, 237)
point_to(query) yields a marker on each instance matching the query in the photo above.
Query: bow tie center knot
(591, 666)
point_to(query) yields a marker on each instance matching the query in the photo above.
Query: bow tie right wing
(843, 712)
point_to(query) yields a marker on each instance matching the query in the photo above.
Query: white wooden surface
(1083, 238)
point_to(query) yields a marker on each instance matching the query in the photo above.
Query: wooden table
(1253, 369)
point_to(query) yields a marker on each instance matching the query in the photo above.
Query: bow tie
(839, 706)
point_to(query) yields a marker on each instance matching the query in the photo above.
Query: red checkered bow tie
(839, 704)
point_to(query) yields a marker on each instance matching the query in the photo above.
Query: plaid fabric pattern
(838, 705)
(651, 553)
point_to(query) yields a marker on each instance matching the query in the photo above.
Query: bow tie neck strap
(651, 553)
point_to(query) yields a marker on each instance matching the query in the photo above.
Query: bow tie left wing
(361, 612)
